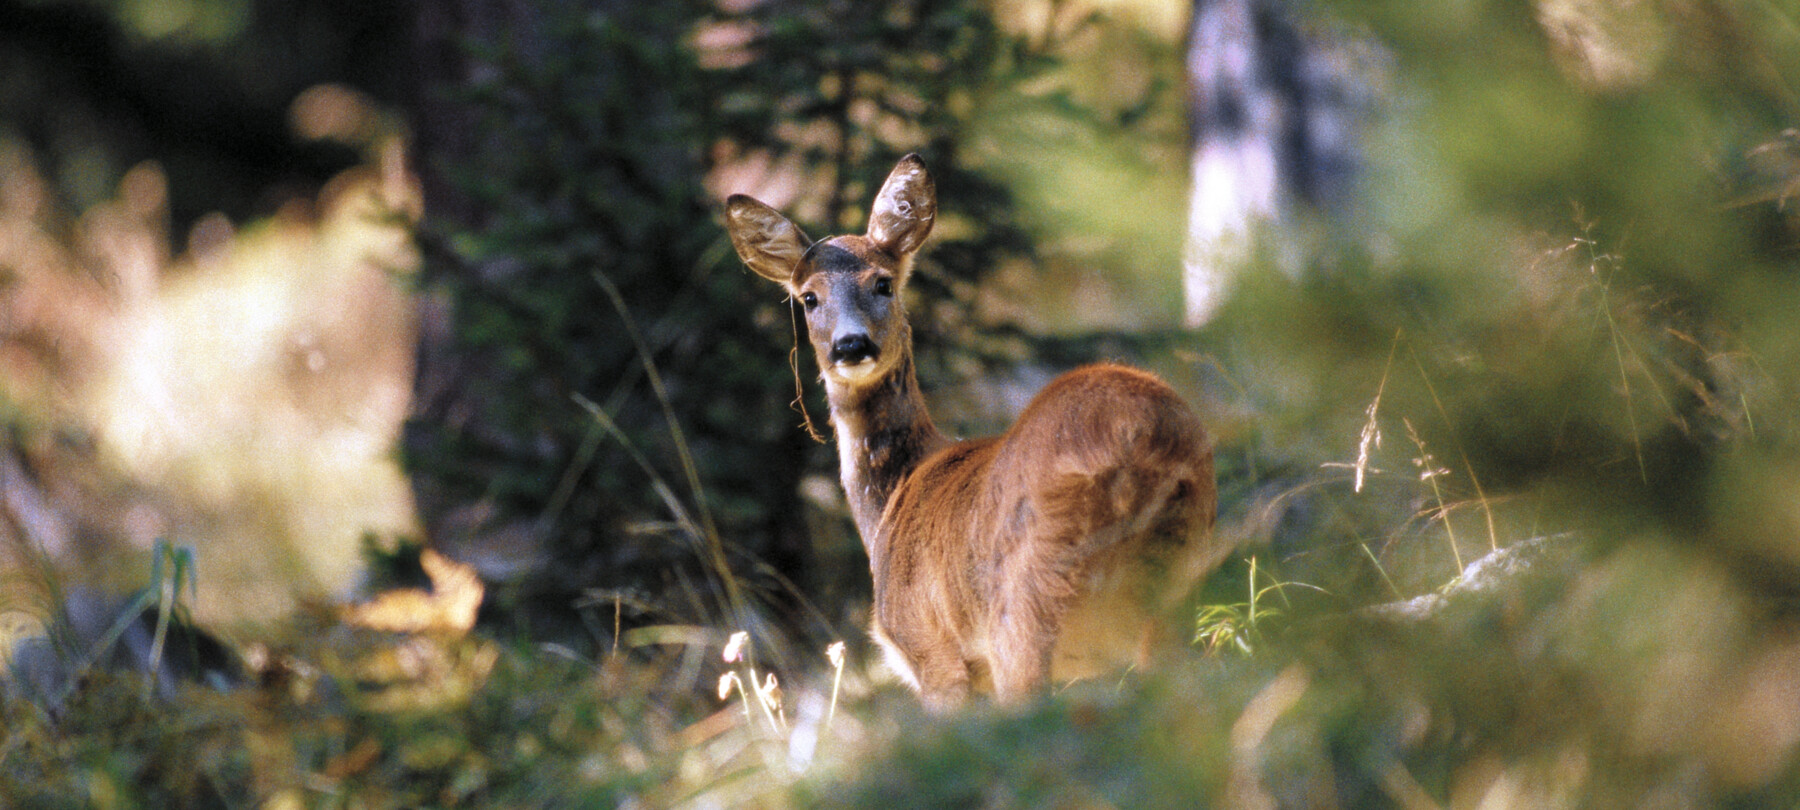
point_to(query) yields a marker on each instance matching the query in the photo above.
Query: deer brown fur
(1055, 550)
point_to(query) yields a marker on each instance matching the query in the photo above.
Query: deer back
(1073, 535)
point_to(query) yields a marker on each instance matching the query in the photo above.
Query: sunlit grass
(1243, 626)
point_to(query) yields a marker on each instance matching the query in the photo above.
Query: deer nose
(852, 349)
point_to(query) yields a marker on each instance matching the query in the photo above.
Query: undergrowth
(1570, 584)
(1513, 674)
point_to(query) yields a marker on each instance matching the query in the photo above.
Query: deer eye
(810, 300)
(884, 287)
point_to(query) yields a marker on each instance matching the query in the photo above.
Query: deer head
(849, 285)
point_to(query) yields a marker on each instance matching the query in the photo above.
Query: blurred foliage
(94, 87)
(1567, 306)
(539, 732)
(242, 396)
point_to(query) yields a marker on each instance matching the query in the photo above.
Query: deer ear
(905, 209)
(765, 240)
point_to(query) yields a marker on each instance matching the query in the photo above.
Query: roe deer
(1052, 551)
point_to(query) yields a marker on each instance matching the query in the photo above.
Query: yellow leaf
(449, 607)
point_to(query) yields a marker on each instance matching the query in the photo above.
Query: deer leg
(1027, 621)
(944, 688)
(1024, 668)
(931, 663)
(1024, 645)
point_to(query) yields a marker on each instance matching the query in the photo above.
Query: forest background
(389, 423)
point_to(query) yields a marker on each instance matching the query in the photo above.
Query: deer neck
(883, 432)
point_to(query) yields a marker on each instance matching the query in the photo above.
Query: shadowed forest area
(389, 422)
